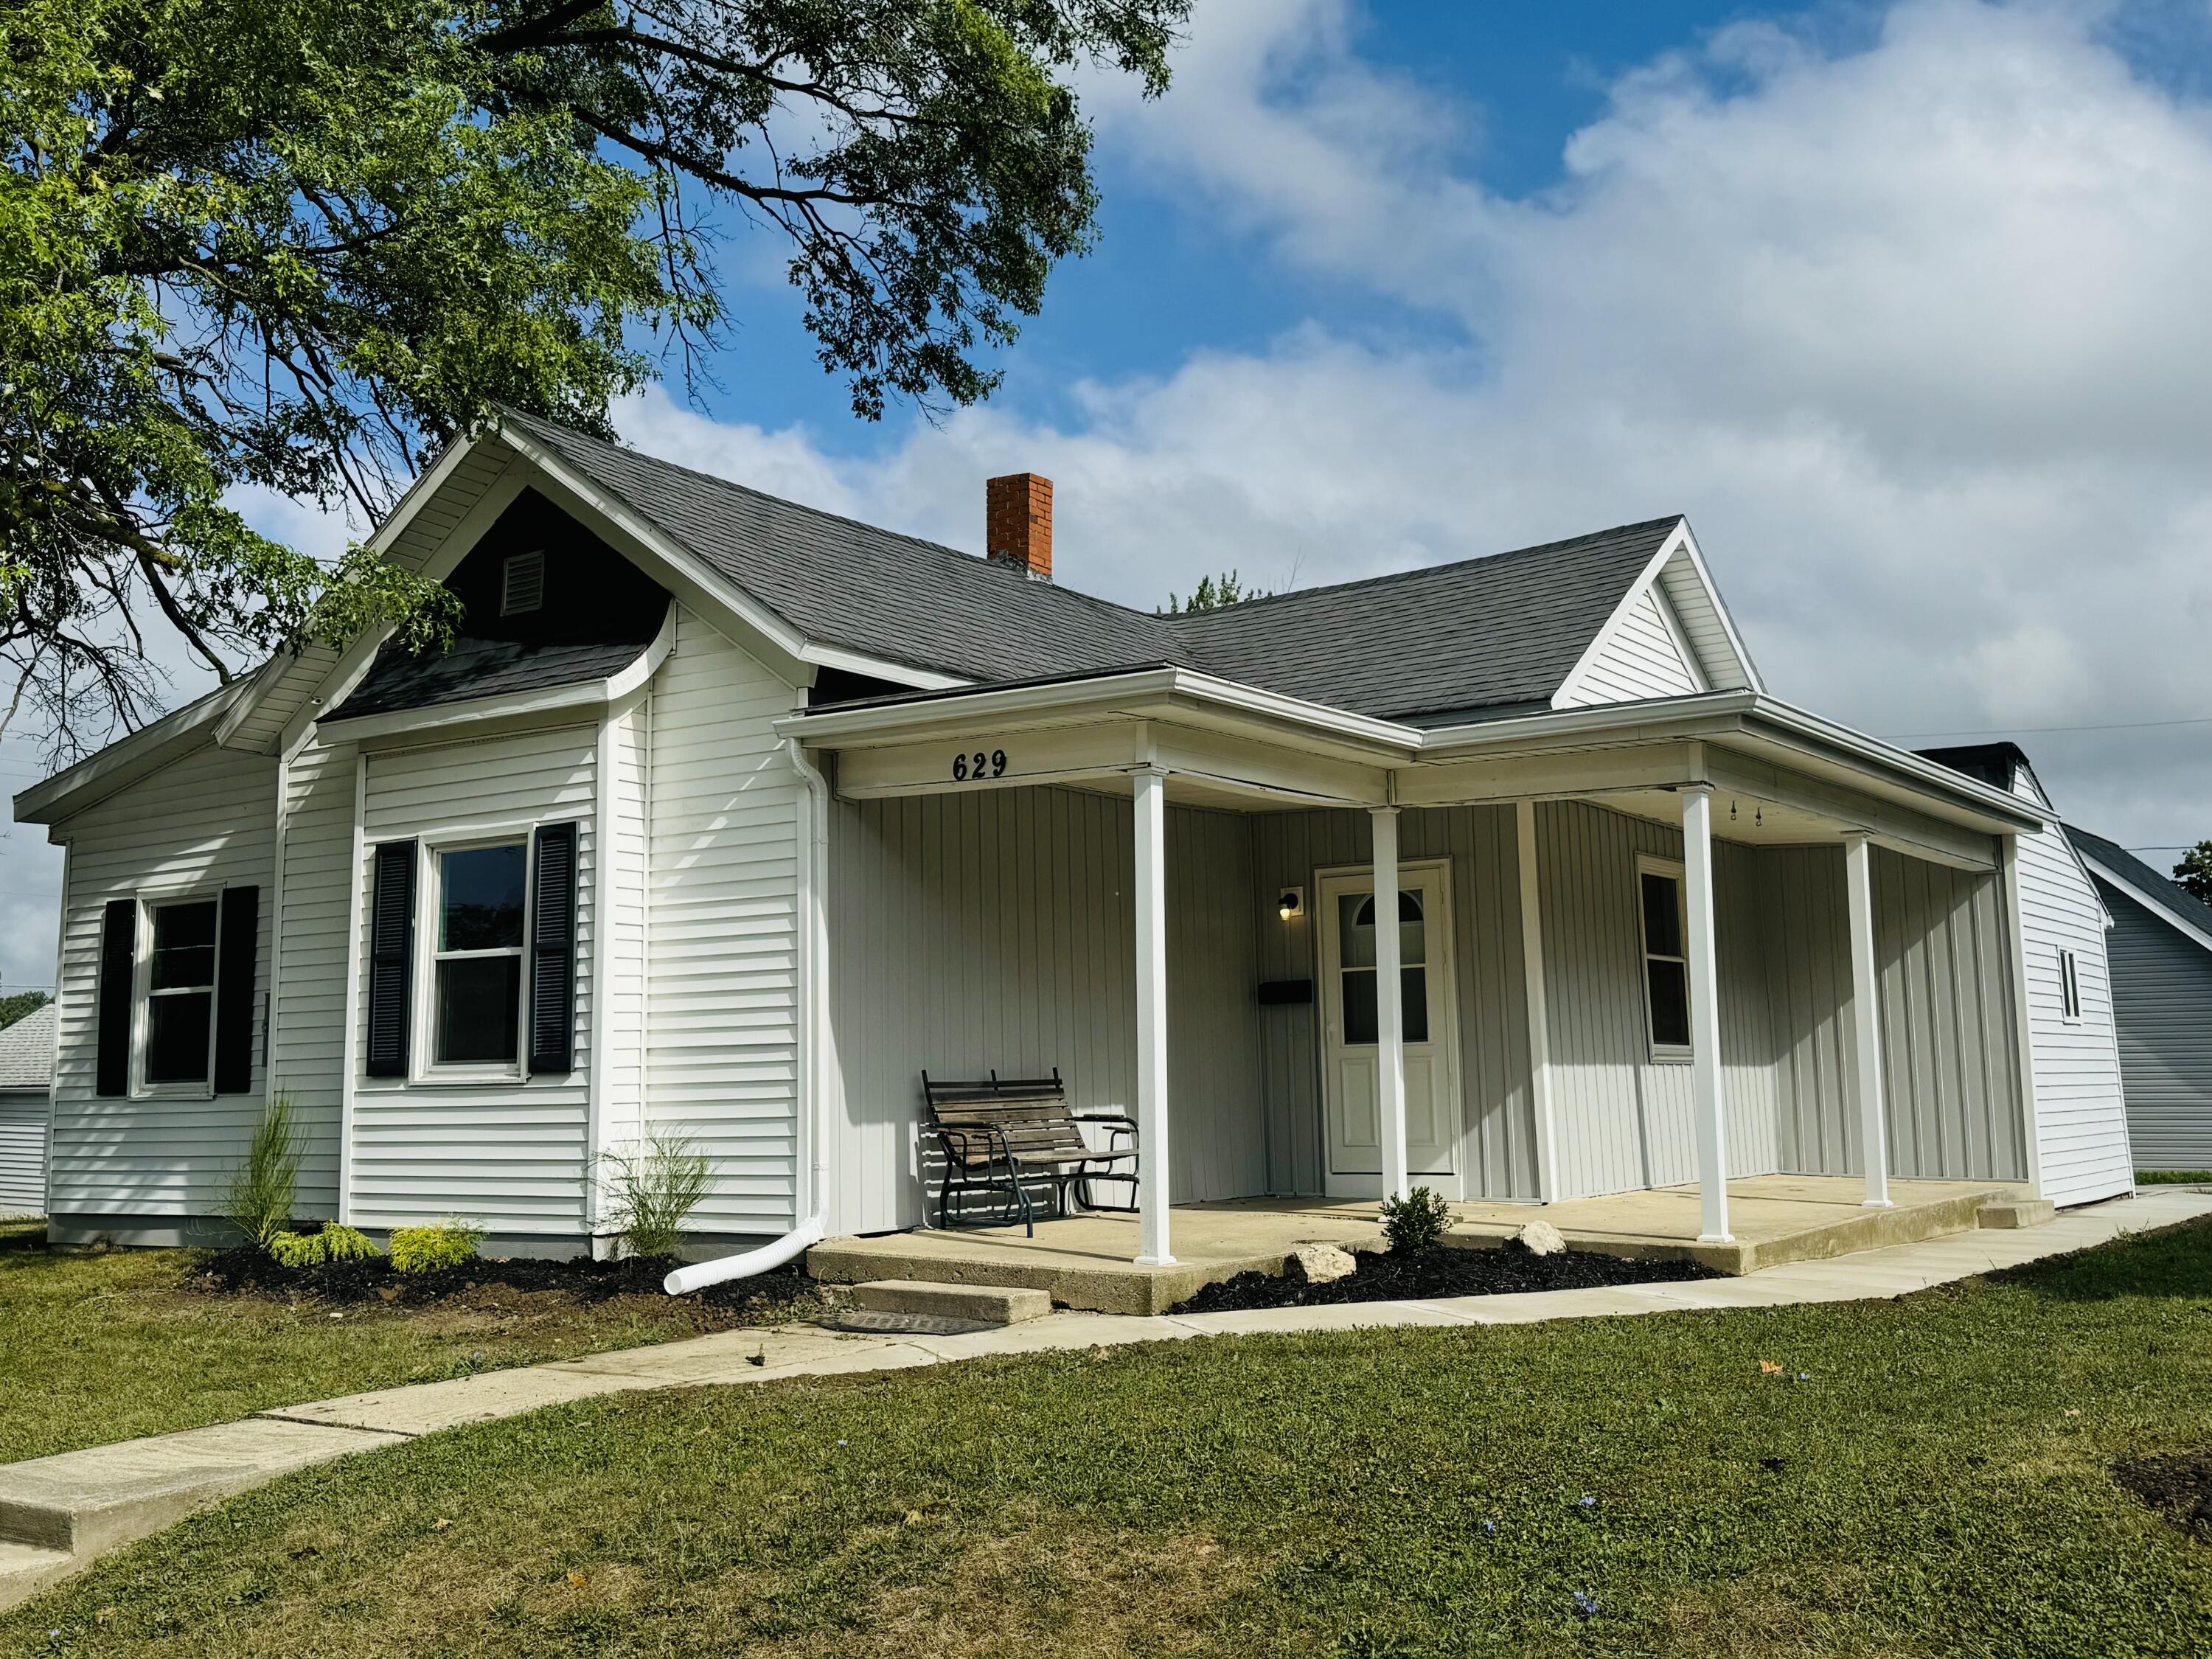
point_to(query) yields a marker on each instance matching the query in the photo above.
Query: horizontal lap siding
(511, 1157)
(1497, 1137)
(1640, 661)
(2162, 985)
(22, 1154)
(721, 996)
(621, 1114)
(308, 1062)
(2080, 1118)
(205, 822)
(1949, 1055)
(970, 932)
(1623, 1121)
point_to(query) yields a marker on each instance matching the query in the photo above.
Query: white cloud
(1911, 330)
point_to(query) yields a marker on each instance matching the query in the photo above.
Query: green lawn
(2174, 1177)
(95, 1348)
(1923, 1476)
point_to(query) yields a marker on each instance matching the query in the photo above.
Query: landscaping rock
(1540, 1239)
(1322, 1264)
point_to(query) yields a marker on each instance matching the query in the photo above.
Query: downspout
(813, 982)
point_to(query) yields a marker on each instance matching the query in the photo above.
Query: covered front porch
(1644, 954)
(1085, 1260)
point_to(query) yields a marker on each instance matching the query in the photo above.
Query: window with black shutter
(553, 951)
(238, 951)
(118, 972)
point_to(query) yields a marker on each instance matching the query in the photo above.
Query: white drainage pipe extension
(813, 862)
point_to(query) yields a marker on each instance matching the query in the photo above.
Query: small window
(1363, 1018)
(2069, 986)
(522, 584)
(476, 1010)
(181, 994)
(1666, 965)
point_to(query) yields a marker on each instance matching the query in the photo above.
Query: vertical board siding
(204, 822)
(969, 932)
(1496, 1156)
(509, 1155)
(23, 1153)
(2162, 990)
(1641, 660)
(1622, 1120)
(2080, 1119)
(722, 990)
(1949, 1048)
(1805, 936)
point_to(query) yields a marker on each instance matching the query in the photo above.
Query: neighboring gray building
(2160, 946)
(27, 1082)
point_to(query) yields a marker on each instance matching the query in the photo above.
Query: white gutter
(813, 1090)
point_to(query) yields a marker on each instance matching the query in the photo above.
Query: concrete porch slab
(1084, 1261)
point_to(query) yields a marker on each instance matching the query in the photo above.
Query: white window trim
(2069, 986)
(1662, 1054)
(142, 992)
(426, 1069)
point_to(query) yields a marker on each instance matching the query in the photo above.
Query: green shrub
(259, 1196)
(297, 1249)
(652, 1192)
(346, 1243)
(433, 1250)
(1411, 1226)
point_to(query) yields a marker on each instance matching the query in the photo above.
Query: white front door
(1345, 911)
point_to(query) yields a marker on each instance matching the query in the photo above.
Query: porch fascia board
(1663, 763)
(1855, 812)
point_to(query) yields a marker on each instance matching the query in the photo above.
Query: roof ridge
(1389, 576)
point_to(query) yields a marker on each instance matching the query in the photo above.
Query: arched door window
(1355, 962)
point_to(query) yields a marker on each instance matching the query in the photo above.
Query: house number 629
(968, 769)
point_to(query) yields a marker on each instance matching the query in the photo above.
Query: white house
(27, 1079)
(2160, 946)
(731, 817)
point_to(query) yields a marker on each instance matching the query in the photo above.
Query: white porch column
(1866, 1019)
(1152, 1019)
(1705, 1011)
(1390, 1009)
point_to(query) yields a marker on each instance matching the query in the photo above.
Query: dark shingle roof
(1449, 640)
(1452, 637)
(480, 668)
(2169, 896)
(1993, 763)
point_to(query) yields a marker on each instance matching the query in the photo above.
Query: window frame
(1662, 1053)
(2069, 986)
(142, 993)
(429, 890)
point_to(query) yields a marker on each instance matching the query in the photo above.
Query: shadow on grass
(2173, 1262)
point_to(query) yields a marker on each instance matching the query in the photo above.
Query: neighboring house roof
(1502, 630)
(27, 1050)
(2125, 870)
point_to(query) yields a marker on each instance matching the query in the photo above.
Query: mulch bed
(2178, 1485)
(1450, 1270)
(580, 1279)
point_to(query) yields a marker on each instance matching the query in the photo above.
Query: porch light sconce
(1293, 904)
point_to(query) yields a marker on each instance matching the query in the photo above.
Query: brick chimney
(1018, 523)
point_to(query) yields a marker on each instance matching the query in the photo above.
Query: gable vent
(522, 585)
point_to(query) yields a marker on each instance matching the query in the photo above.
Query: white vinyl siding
(2080, 1118)
(2162, 984)
(622, 1004)
(203, 821)
(506, 1154)
(1695, 608)
(307, 1057)
(1642, 657)
(994, 931)
(721, 1018)
(23, 1153)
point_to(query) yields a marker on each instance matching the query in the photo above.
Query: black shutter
(238, 947)
(118, 946)
(553, 950)
(392, 959)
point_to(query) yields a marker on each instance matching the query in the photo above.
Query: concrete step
(983, 1305)
(2015, 1213)
(25, 1570)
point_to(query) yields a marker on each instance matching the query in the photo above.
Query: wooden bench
(1001, 1134)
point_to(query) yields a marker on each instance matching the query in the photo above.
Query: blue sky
(1902, 303)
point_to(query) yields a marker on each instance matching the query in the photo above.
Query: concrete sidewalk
(58, 1514)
